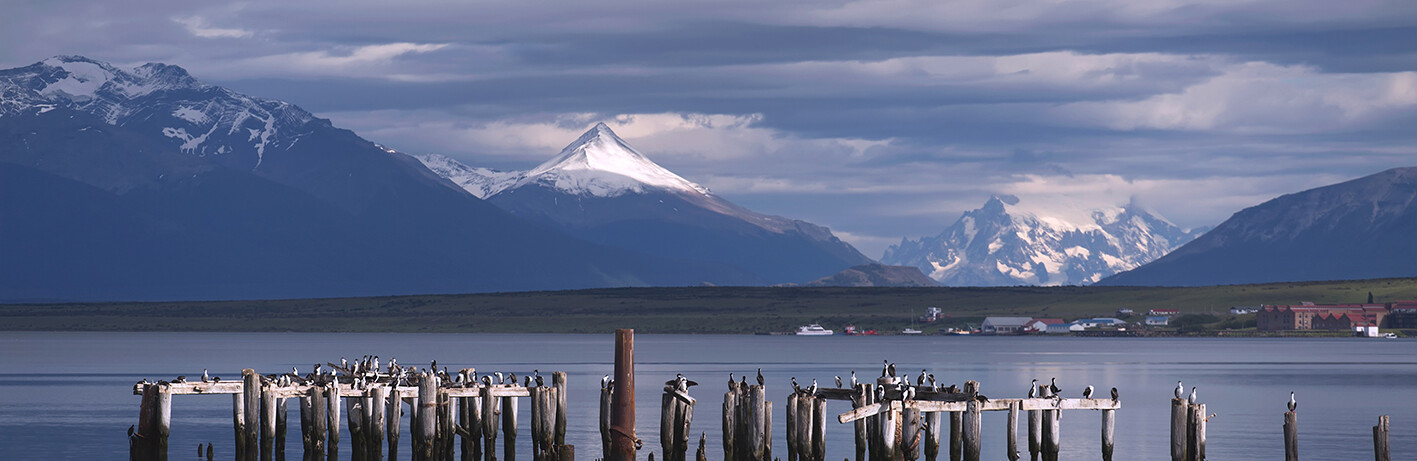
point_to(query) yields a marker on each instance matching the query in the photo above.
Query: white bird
(1087, 393)
(1192, 399)
(1179, 389)
(205, 377)
(853, 379)
(1292, 403)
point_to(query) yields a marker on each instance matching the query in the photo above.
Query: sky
(880, 119)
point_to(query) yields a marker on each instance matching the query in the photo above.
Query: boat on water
(911, 331)
(959, 332)
(813, 330)
(1389, 336)
(851, 330)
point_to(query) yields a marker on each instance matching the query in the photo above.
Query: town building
(1004, 325)
(1165, 312)
(1100, 322)
(1402, 314)
(1242, 310)
(1040, 325)
(1065, 328)
(1157, 320)
(1311, 316)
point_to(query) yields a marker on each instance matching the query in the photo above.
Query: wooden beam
(347, 390)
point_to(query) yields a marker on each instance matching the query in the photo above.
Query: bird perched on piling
(537, 373)
(1292, 403)
(205, 377)
(813, 389)
(931, 379)
(1087, 393)
(760, 377)
(1053, 386)
(731, 384)
(853, 379)
(180, 379)
(1179, 389)
(1114, 395)
(1033, 388)
(920, 380)
(499, 378)
(795, 387)
(1192, 399)
(838, 381)
(890, 369)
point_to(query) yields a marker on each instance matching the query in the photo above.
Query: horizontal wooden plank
(346, 390)
(926, 406)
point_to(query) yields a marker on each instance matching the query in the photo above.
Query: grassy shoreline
(732, 310)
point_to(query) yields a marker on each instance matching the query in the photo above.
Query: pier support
(622, 416)
(1380, 439)
(1291, 436)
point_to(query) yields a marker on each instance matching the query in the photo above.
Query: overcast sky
(879, 119)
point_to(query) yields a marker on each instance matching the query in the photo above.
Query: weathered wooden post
(509, 428)
(873, 427)
(1108, 424)
(1035, 431)
(471, 429)
(154, 424)
(268, 423)
(1195, 447)
(490, 409)
(859, 426)
(1179, 415)
(667, 437)
(425, 418)
(973, 424)
(793, 402)
(319, 418)
(956, 436)
(558, 381)
(354, 413)
(933, 421)
(757, 433)
(606, 389)
(890, 430)
(686, 418)
(281, 428)
(307, 427)
(911, 422)
(446, 425)
(238, 423)
(1052, 440)
(819, 428)
(393, 419)
(251, 401)
(1291, 436)
(1380, 439)
(622, 419)
(332, 400)
(1011, 432)
(376, 405)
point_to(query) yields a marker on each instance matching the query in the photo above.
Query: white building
(1004, 325)
(1065, 328)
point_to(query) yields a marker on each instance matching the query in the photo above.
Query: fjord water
(68, 395)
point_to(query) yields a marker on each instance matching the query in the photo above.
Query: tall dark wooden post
(622, 415)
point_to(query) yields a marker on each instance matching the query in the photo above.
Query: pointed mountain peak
(600, 163)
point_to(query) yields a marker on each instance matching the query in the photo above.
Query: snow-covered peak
(480, 182)
(601, 164)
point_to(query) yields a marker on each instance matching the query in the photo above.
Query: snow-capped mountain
(1357, 229)
(1008, 243)
(601, 189)
(201, 119)
(146, 184)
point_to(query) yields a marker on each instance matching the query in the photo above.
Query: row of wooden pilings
(442, 413)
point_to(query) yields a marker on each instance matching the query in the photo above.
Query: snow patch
(191, 115)
(82, 82)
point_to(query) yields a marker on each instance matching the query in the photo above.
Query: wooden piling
(859, 426)
(393, 418)
(685, 419)
(426, 418)
(1011, 432)
(973, 424)
(332, 400)
(793, 402)
(238, 424)
(319, 418)
(819, 428)
(377, 406)
(1052, 437)
(605, 399)
(268, 423)
(1195, 446)
(1108, 424)
(509, 428)
(910, 430)
(251, 403)
(667, 437)
(1291, 436)
(281, 429)
(446, 427)
(1380, 440)
(757, 432)
(1035, 432)
(767, 428)
(306, 428)
(490, 409)
(354, 414)
(956, 436)
(558, 381)
(890, 430)
(1179, 415)
(622, 417)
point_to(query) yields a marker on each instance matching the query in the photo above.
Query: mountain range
(1007, 242)
(1357, 229)
(147, 184)
(601, 189)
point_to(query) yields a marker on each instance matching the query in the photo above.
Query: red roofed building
(1320, 317)
(1040, 325)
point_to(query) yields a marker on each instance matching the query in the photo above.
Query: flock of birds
(367, 370)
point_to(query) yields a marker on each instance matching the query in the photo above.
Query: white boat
(1390, 335)
(911, 331)
(813, 330)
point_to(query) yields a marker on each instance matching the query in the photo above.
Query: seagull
(760, 377)
(1087, 393)
(1179, 389)
(1053, 386)
(205, 377)
(1192, 399)
(1033, 389)
(1292, 403)
(1114, 395)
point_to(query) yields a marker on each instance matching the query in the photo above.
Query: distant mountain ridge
(1005, 243)
(875, 275)
(600, 189)
(1357, 229)
(147, 184)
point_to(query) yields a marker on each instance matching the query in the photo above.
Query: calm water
(68, 395)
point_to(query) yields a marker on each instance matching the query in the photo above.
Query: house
(1004, 325)
(1157, 320)
(1309, 316)
(1064, 328)
(1040, 325)
(932, 314)
(1242, 310)
(1165, 312)
(1100, 322)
